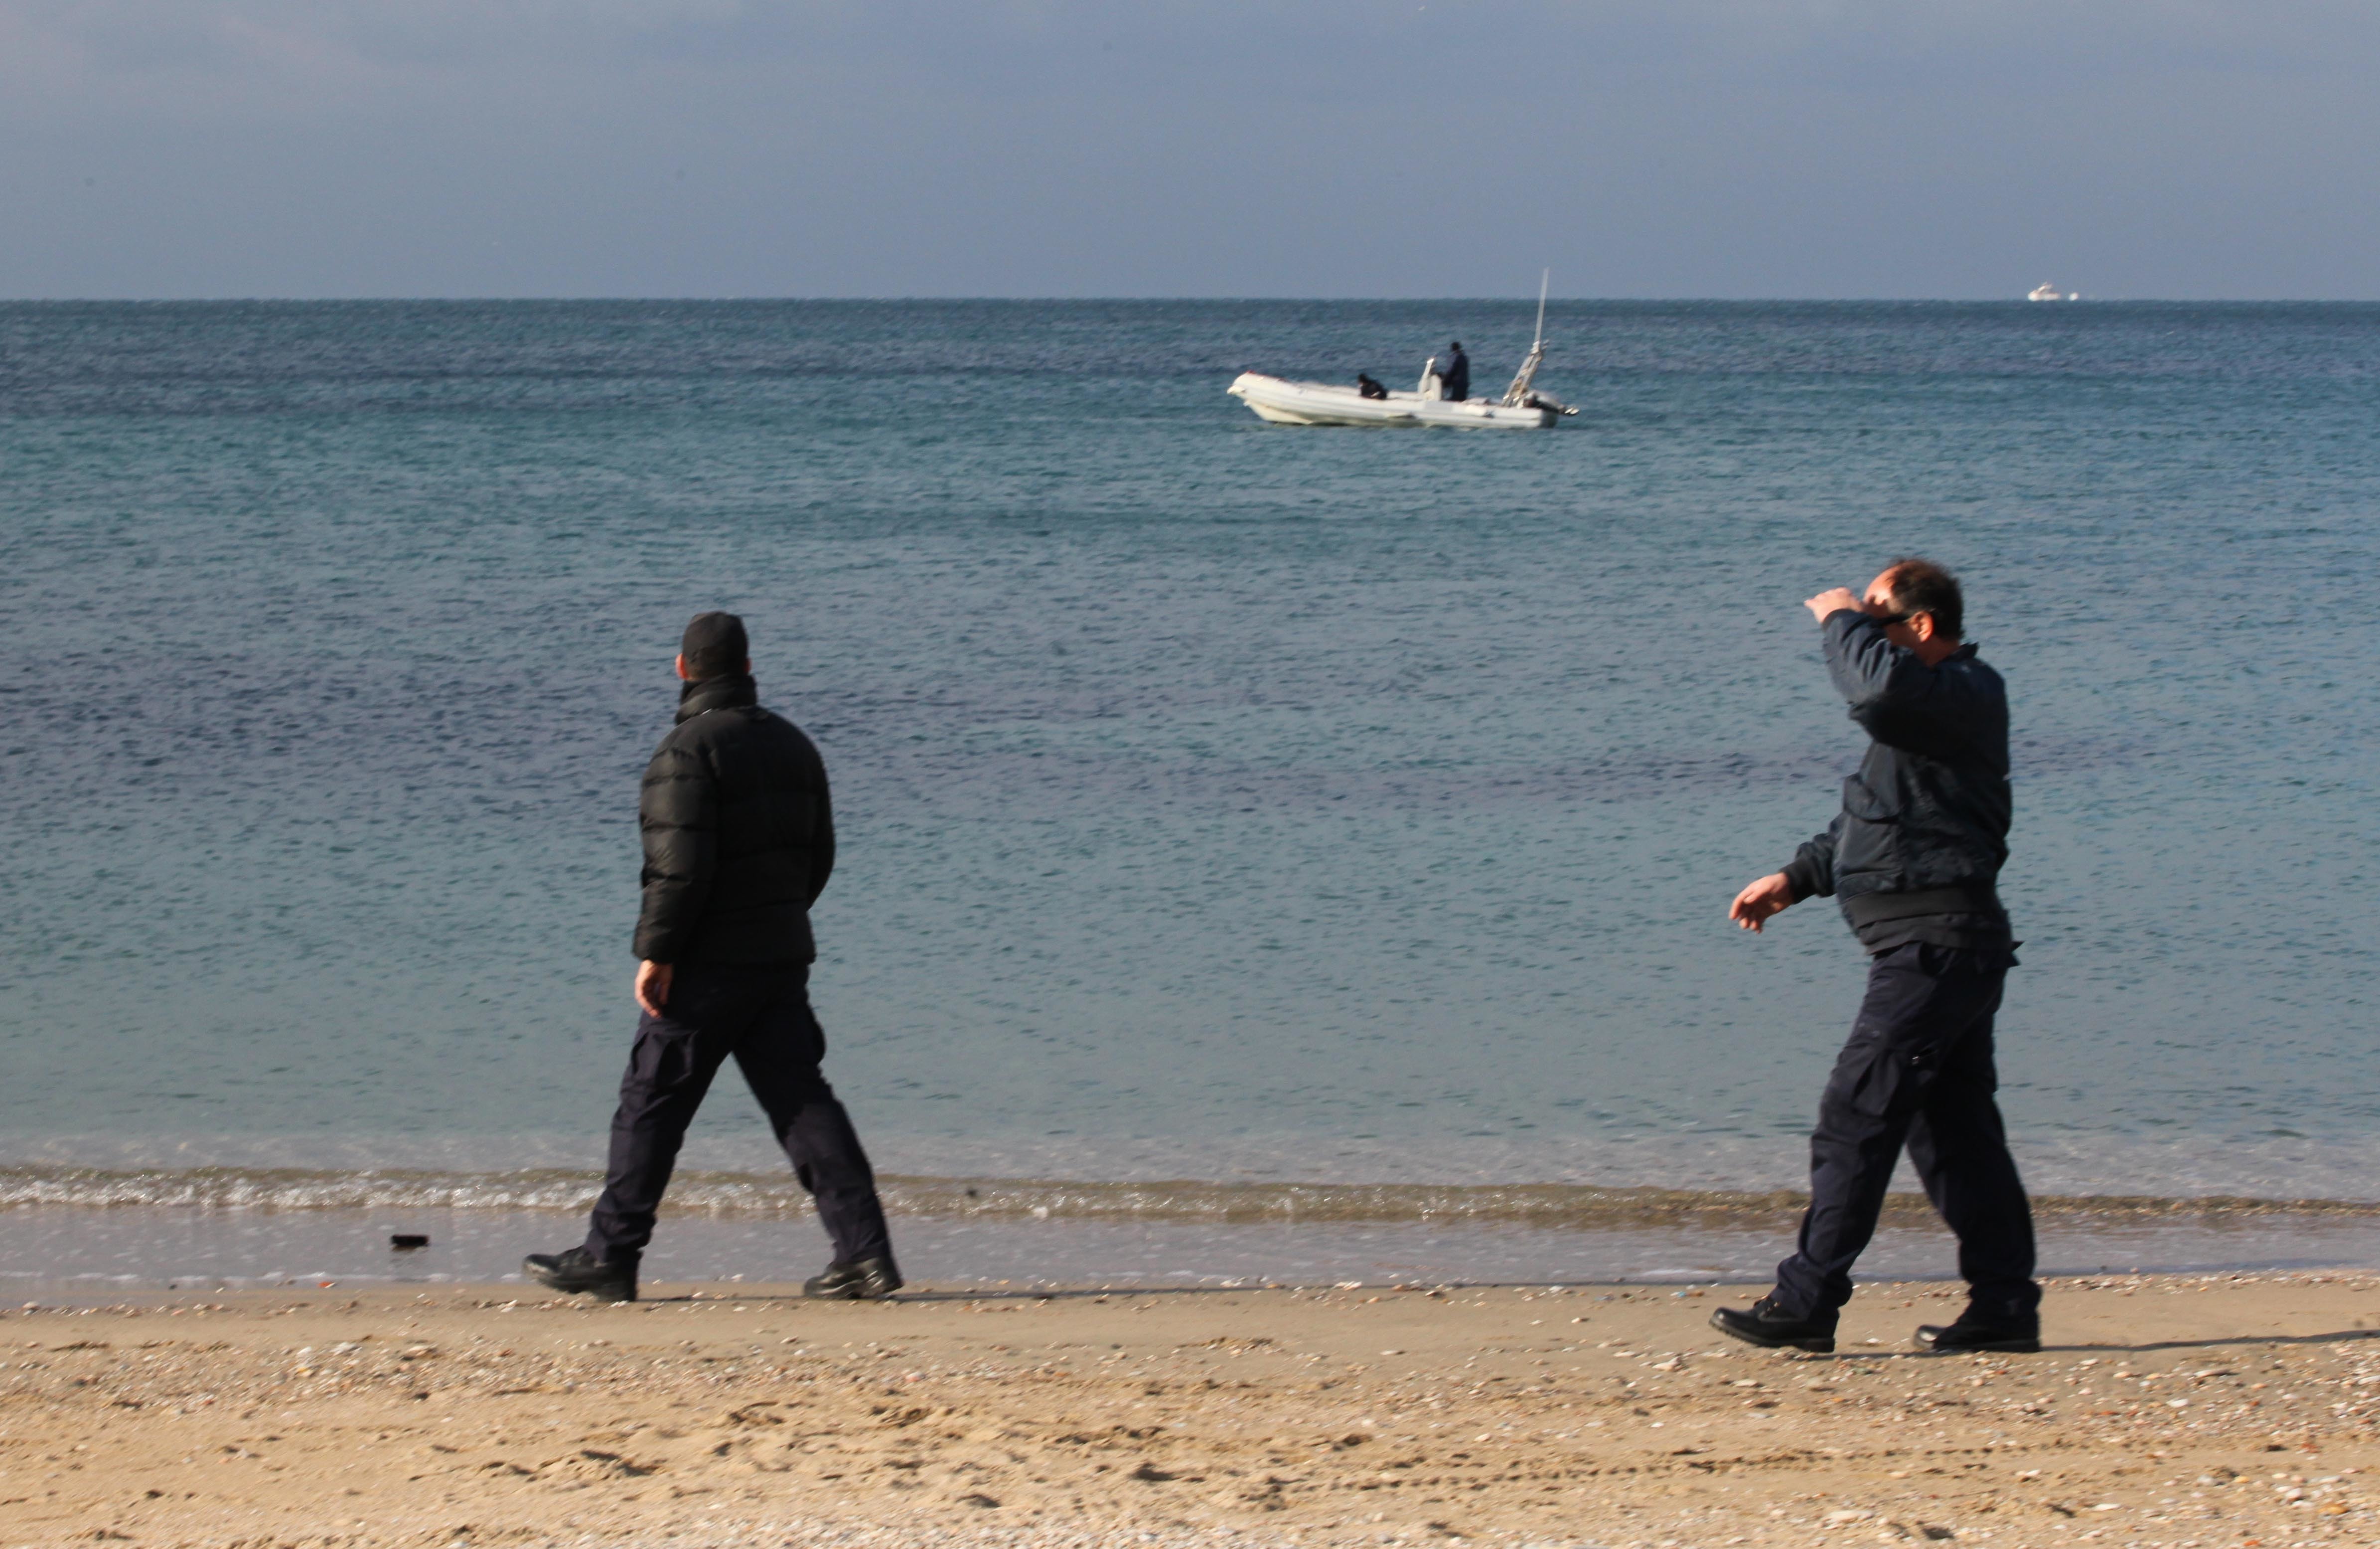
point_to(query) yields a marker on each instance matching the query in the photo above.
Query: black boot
(1765, 1323)
(860, 1280)
(580, 1273)
(2018, 1334)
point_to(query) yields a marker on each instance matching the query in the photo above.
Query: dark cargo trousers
(1917, 1070)
(761, 1015)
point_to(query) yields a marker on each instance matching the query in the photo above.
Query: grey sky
(1806, 147)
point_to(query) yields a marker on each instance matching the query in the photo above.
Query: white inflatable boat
(1327, 403)
(1522, 407)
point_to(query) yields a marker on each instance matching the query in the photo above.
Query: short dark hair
(1921, 586)
(714, 645)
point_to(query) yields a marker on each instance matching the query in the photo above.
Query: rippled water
(1219, 800)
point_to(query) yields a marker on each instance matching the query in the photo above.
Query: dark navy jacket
(1457, 375)
(1924, 824)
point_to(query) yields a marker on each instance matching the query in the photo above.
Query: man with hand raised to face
(1914, 858)
(738, 839)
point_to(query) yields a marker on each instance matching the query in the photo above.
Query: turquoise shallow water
(1218, 799)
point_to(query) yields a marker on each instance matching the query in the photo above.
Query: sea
(1266, 853)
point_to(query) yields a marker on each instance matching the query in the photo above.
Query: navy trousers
(1917, 1070)
(761, 1015)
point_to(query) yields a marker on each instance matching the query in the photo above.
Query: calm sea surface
(1219, 800)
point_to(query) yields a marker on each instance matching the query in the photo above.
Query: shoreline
(2165, 1410)
(1001, 1198)
(85, 1253)
(774, 1192)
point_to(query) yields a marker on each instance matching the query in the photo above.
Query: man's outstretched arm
(1811, 873)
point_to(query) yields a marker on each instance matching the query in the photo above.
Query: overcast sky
(1377, 148)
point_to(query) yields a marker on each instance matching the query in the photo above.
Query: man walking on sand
(1913, 857)
(738, 840)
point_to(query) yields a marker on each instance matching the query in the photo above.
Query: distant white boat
(2050, 293)
(1523, 407)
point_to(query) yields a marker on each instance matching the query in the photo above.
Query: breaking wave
(1555, 1206)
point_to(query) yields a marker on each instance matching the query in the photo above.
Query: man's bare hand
(1835, 599)
(654, 984)
(1771, 895)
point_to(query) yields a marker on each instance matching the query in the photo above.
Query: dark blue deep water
(1217, 799)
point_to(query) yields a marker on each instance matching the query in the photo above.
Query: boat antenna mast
(1519, 391)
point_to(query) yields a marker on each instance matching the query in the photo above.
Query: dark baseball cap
(714, 643)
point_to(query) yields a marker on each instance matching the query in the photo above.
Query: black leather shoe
(2020, 1336)
(861, 1280)
(1765, 1323)
(577, 1271)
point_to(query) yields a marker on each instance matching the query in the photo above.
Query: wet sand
(2231, 1409)
(70, 1252)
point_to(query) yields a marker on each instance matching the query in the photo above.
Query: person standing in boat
(1457, 375)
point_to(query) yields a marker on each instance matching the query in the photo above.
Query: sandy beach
(2231, 1409)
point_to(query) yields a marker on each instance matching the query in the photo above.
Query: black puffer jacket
(738, 834)
(1924, 824)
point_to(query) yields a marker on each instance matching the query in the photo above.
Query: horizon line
(2017, 299)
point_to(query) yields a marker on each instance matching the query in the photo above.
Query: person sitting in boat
(1457, 373)
(1369, 389)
